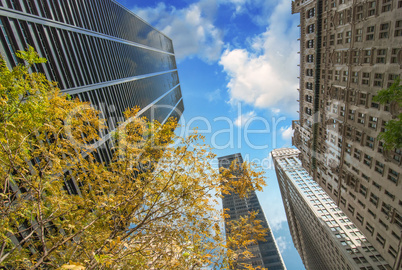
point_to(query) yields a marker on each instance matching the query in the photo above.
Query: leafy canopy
(392, 136)
(153, 206)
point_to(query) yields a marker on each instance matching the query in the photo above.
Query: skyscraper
(349, 50)
(324, 237)
(265, 254)
(98, 51)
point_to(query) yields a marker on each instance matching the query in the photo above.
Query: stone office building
(349, 50)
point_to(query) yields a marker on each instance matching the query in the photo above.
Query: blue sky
(237, 63)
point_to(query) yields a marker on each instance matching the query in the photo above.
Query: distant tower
(266, 254)
(323, 235)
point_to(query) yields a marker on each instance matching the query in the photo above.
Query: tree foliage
(154, 206)
(392, 136)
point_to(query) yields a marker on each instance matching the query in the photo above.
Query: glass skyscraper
(322, 234)
(98, 51)
(265, 254)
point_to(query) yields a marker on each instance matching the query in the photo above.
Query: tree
(154, 206)
(392, 136)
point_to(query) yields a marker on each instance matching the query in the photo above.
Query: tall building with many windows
(323, 235)
(265, 254)
(349, 51)
(98, 51)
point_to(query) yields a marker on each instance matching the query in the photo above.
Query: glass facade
(266, 254)
(98, 51)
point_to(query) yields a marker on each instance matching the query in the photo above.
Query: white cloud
(244, 118)
(287, 132)
(281, 242)
(191, 28)
(266, 75)
(214, 96)
(276, 110)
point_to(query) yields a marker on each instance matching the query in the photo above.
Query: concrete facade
(323, 235)
(349, 50)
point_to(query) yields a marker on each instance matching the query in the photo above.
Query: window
(372, 123)
(351, 209)
(386, 209)
(361, 117)
(309, 86)
(391, 79)
(339, 39)
(337, 75)
(341, 18)
(311, 13)
(394, 53)
(381, 56)
(371, 8)
(363, 190)
(396, 235)
(367, 160)
(389, 194)
(369, 141)
(355, 57)
(310, 58)
(362, 99)
(351, 115)
(366, 78)
(358, 35)
(370, 33)
(310, 44)
(376, 185)
(357, 154)
(309, 72)
(371, 231)
(374, 199)
(378, 79)
(345, 76)
(338, 58)
(355, 77)
(379, 167)
(392, 251)
(393, 176)
(359, 12)
(367, 57)
(380, 239)
(348, 36)
(360, 218)
(384, 30)
(398, 28)
(310, 28)
(386, 5)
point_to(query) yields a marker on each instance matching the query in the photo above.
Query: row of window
(361, 77)
(361, 11)
(103, 16)
(370, 33)
(76, 59)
